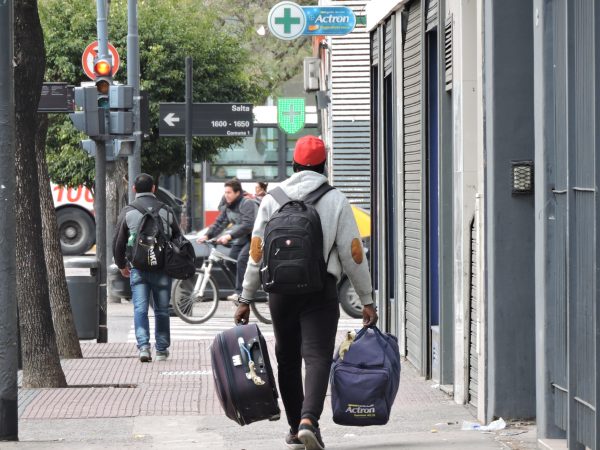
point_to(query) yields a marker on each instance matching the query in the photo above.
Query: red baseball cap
(310, 151)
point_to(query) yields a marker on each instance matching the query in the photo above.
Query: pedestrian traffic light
(103, 80)
(121, 104)
(86, 117)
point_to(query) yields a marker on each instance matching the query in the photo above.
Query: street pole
(201, 199)
(133, 79)
(189, 207)
(9, 424)
(100, 188)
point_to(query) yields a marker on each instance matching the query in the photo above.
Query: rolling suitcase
(243, 376)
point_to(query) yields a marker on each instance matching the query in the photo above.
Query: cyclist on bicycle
(239, 212)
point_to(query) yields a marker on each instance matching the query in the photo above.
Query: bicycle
(196, 299)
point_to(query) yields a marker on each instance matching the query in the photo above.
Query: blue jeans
(240, 252)
(142, 283)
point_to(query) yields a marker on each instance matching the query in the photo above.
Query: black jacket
(241, 214)
(129, 219)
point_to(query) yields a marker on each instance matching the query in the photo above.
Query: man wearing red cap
(305, 326)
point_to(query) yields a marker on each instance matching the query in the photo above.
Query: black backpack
(176, 256)
(146, 248)
(293, 261)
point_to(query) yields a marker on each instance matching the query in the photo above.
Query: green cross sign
(290, 114)
(287, 20)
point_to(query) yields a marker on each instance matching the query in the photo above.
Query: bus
(75, 217)
(265, 156)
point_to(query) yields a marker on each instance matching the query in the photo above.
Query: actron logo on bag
(361, 410)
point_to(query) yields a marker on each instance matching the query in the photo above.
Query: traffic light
(121, 104)
(103, 80)
(86, 117)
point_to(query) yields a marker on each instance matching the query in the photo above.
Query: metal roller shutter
(388, 48)
(351, 111)
(473, 330)
(413, 179)
(432, 14)
(374, 48)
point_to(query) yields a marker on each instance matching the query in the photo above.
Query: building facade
(452, 118)
(567, 120)
(344, 100)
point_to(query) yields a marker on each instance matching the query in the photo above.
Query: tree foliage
(274, 61)
(169, 31)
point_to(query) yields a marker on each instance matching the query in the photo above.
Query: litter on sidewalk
(496, 425)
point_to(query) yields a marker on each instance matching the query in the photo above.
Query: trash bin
(82, 281)
(118, 285)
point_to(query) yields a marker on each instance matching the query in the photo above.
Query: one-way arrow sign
(171, 119)
(208, 119)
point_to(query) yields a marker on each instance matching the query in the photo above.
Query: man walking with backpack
(143, 229)
(304, 237)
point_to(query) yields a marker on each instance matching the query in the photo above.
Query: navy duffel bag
(365, 380)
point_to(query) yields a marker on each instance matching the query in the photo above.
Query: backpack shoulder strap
(280, 196)
(154, 213)
(139, 208)
(316, 195)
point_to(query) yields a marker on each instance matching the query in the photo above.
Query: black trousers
(241, 252)
(305, 328)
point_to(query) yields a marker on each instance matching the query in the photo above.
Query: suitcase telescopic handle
(247, 362)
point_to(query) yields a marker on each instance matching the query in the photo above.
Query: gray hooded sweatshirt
(340, 234)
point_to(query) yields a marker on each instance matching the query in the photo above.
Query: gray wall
(509, 222)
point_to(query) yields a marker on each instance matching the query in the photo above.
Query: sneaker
(233, 297)
(292, 441)
(145, 355)
(162, 355)
(311, 437)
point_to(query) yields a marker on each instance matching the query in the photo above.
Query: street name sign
(288, 21)
(91, 52)
(208, 119)
(57, 98)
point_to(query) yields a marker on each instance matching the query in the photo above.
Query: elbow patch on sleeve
(357, 251)
(256, 249)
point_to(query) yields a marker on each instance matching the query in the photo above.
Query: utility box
(82, 281)
(312, 69)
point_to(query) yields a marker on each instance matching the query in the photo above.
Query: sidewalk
(114, 402)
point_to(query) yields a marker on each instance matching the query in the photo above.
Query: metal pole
(100, 208)
(202, 196)
(100, 190)
(188, 142)
(133, 79)
(102, 26)
(9, 424)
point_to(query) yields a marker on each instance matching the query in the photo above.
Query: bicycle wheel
(189, 305)
(260, 308)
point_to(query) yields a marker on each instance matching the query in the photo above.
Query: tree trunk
(62, 316)
(116, 199)
(41, 363)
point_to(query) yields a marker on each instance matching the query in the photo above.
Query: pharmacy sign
(290, 114)
(287, 20)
